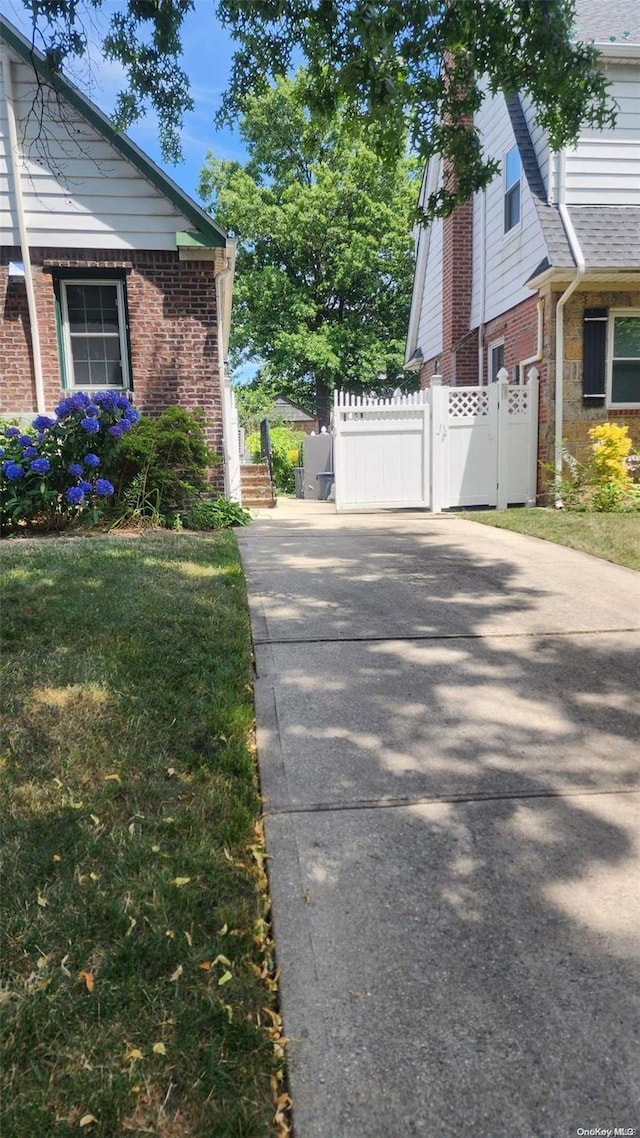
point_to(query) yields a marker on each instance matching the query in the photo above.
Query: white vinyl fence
(437, 448)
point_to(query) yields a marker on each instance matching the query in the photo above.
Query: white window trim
(122, 330)
(613, 312)
(490, 349)
(508, 233)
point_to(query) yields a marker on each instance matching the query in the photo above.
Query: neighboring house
(110, 275)
(543, 267)
(293, 415)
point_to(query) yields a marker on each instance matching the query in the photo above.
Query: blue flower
(122, 402)
(85, 486)
(75, 495)
(41, 466)
(116, 431)
(132, 414)
(63, 409)
(1, 451)
(91, 459)
(79, 401)
(25, 440)
(13, 471)
(124, 425)
(104, 488)
(106, 399)
(92, 412)
(11, 432)
(76, 469)
(42, 422)
(30, 452)
(91, 426)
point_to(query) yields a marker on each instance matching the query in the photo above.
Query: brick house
(543, 267)
(110, 275)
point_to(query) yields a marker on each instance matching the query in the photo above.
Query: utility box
(318, 459)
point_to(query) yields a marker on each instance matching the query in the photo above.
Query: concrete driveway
(448, 738)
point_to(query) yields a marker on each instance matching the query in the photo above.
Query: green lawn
(615, 537)
(137, 992)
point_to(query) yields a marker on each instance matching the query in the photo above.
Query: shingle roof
(608, 21)
(609, 235)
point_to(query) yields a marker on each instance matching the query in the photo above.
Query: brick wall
(173, 330)
(459, 344)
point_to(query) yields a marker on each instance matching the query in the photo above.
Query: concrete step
(258, 503)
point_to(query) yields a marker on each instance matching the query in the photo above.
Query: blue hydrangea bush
(57, 470)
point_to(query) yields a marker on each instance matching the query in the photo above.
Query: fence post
(502, 427)
(338, 481)
(438, 444)
(533, 384)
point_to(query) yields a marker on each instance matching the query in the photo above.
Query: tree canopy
(324, 262)
(401, 65)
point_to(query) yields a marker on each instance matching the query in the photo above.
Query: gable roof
(283, 402)
(609, 236)
(558, 248)
(208, 233)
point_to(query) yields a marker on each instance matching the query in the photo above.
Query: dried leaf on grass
(88, 979)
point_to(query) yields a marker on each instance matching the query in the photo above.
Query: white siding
(604, 168)
(510, 258)
(78, 191)
(430, 326)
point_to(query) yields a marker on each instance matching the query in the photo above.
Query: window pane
(114, 373)
(625, 381)
(92, 308)
(81, 374)
(512, 167)
(512, 208)
(96, 361)
(497, 361)
(626, 340)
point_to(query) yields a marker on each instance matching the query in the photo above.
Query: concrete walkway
(449, 748)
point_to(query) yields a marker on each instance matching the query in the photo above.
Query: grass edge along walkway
(138, 993)
(613, 537)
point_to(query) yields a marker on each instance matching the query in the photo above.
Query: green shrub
(168, 458)
(285, 455)
(215, 514)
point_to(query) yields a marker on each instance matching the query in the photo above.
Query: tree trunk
(323, 402)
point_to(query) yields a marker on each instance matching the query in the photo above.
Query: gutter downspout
(562, 300)
(538, 352)
(231, 452)
(483, 285)
(22, 230)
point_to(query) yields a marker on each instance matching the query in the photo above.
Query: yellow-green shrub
(611, 447)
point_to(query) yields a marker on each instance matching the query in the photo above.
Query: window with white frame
(94, 333)
(623, 364)
(512, 178)
(496, 360)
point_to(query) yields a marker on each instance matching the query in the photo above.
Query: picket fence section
(437, 448)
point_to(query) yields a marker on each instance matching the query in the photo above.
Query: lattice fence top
(518, 400)
(468, 403)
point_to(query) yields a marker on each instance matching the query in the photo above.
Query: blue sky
(207, 53)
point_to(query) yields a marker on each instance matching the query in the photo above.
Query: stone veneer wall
(578, 417)
(173, 332)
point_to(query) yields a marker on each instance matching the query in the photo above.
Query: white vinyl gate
(437, 448)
